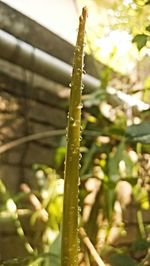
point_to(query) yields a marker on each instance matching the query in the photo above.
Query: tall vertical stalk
(70, 245)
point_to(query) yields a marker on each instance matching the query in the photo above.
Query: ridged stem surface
(70, 242)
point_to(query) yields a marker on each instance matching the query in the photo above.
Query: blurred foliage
(45, 211)
(139, 133)
(118, 32)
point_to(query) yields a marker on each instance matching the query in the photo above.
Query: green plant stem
(141, 223)
(70, 245)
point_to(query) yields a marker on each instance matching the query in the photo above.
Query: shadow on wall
(26, 110)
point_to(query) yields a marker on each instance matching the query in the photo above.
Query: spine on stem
(70, 242)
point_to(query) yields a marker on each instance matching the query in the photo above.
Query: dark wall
(28, 106)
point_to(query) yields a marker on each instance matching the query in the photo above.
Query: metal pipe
(35, 60)
(39, 62)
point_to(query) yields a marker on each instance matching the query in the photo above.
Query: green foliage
(113, 163)
(147, 2)
(148, 28)
(60, 155)
(140, 245)
(55, 251)
(139, 133)
(122, 260)
(140, 40)
(141, 197)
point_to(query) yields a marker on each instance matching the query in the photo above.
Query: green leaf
(93, 99)
(87, 160)
(129, 164)
(139, 133)
(148, 2)
(131, 180)
(113, 163)
(140, 245)
(122, 260)
(141, 196)
(148, 28)
(60, 155)
(140, 40)
(55, 251)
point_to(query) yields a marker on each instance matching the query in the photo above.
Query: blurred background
(37, 40)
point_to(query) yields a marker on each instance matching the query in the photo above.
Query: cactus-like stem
(70, 242)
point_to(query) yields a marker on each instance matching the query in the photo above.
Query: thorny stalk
(70, 242)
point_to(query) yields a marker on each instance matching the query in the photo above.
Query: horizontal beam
(23, 27)
(37, 61)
